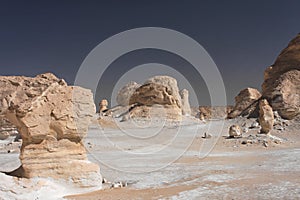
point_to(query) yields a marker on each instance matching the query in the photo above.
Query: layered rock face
(245, 103)
(126, 92)
(186, 108)
(157, 97)
(52, 119)
(282, 81)
(162, 90)
(266, 116)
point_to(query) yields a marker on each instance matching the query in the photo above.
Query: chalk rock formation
(126, 92)
(186, 108)
(245, 103)
(282, 81)
(235, 131)
(103, 105)
(52, 119)
(162, 90)
(266, 116)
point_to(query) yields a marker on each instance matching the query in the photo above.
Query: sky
(242, 37)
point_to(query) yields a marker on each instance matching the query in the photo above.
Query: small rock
(254, 125)
(265, 143)
(4, 135)
(234, 131)
(104, 180)
(206, 136)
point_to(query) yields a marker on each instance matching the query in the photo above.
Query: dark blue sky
(243, 37)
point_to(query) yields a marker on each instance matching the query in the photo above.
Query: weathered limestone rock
(103, 105)
(245, 103)
(235, 131)
(52, 119)
(126, 92)
(266, 116)
(282, 81)
(186, 108)
(162, 90)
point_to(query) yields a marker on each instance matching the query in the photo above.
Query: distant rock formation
(103, 105)
(266, 116)
(126, 92)
(52, 119)
(157, 97)
(186, 108)
(162, 90)
(246, 103)
(282, 81)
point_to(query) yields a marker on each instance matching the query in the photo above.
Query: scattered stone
(104, 180)
(245, 130)
(254, 125)
(206, 136)
(266, 116)
(4, 135)
(265, 143)
(119, 184)
(235, 131)
(247, 142)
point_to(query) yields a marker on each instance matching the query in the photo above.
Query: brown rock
(186, 108)
(266, 116)
(282, 81)
(52, 119)
(126, 92)
(245, 103)
(235, 131)
(162, 90)
(4, 135)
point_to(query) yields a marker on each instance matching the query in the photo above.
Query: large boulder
(266, 116)
(282, 81)
(126, 92)
(52, 119)
(162, 90)
(245, 103)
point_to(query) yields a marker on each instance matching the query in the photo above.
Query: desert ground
(230, 170)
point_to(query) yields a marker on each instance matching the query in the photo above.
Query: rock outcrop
(186, 108)
(126, 92)
(162, 90)
(282, 81)
(266, 116)
(246, 103)
(52, 119)
(103, 105)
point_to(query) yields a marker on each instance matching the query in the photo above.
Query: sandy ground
(177, 163)
(160, 160)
